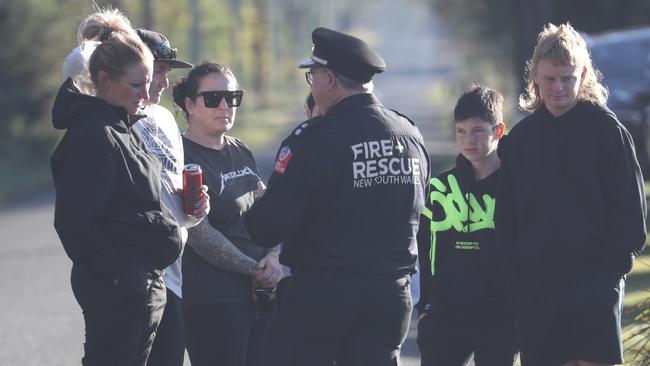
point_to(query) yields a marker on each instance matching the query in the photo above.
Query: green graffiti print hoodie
(460, 270)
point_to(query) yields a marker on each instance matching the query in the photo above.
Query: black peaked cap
(344, 54)
(161, 49)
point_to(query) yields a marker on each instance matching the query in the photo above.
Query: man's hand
(270, 271)
(261, 189)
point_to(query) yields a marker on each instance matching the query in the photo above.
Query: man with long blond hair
(571, 212)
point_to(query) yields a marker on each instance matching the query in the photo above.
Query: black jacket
(571, 195)
(108, 210)
(457, 236)
(347, 192)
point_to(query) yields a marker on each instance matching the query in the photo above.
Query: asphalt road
(40, 321)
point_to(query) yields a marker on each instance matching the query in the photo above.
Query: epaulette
(306, 127)
(402, 115)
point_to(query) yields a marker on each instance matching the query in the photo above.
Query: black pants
(226, 334)
(355, 320)
(121, 314)
(169, 345)
(259, 331)
(446, 340)
(574, 317)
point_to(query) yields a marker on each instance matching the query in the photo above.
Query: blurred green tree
(33, 34)
(260, 39)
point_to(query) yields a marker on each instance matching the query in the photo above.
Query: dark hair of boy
(480, 102)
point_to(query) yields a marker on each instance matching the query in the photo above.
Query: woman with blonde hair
(108, 212)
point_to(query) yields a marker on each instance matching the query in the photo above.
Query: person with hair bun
(108, 212)
(227, 278)
(96, 23)
(76, 63)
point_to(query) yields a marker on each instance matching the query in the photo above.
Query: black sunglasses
(163, 51)
(212, 98)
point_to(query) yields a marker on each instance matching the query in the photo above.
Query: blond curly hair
(562, 45)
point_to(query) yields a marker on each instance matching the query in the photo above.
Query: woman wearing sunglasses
(222, 266)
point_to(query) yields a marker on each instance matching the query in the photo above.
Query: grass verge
(636, 317)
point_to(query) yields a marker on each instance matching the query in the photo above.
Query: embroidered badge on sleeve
(282, 160)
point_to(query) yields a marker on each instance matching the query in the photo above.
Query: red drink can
(192, 182)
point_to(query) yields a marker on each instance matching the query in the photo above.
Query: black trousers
(259, 331)
(355, 320)
(169, 345)
(121, 314)
(451, 340)
(226, 334)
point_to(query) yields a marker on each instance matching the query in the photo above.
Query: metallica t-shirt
(231, 176)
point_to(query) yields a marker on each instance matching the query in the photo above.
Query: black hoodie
(571, 195)
(457, 236)
(108, 210)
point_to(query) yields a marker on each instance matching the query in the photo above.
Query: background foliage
(261, 40)
(255, 37)
(501, 34)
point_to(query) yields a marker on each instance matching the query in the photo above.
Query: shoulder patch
(282, 161)
(286, 153)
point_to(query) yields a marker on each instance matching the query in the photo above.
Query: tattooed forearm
(217, 250)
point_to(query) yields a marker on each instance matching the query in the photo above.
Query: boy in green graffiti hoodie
(463, 307)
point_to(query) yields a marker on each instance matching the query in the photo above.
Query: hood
(580, 112)
(70, 104)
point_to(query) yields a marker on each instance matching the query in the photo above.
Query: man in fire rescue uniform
(345, 198)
